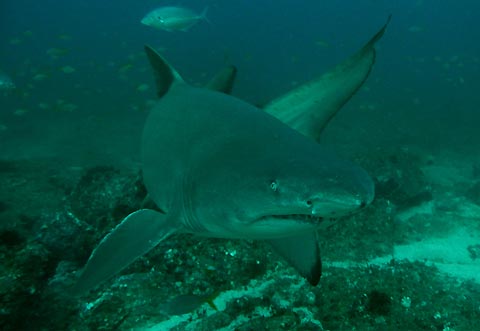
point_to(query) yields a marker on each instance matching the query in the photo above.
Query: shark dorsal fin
(165, 74)
(223, 81)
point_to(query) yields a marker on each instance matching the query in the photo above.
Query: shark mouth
(297, 217)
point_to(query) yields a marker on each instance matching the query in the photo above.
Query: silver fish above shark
(216, 166)
(172, 18)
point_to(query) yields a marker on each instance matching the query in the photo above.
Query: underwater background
(70, 160)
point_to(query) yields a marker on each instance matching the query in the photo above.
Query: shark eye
(274, 185)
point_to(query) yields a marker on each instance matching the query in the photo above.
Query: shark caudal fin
(303, 253)
(310, 107)
(137, 234)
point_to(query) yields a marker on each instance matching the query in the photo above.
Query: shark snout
(354, 193)
(335, 207)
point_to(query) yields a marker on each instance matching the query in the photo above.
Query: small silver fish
(173, 18)
(6, 82)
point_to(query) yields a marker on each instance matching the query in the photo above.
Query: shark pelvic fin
(303, 253)
(137, 234)
(165, 74)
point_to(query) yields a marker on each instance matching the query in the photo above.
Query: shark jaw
(271, 226)
(280, 226)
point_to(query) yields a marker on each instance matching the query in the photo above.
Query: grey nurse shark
(216, 166)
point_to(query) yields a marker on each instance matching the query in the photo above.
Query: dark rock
(476, 171)
(104, 196)
(3, 207)
(398, 177)
(66, 237)
(473, 193)
(23, 279)
(474, 251)
(378, 303)
(285, 322)
(8, 166)
(384, 187)
(11, 238)
(416, 199)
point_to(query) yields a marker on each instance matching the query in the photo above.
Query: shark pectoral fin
(137, 234)
(165, 74)
(223, 81)
(303, 253)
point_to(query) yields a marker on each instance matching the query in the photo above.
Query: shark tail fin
(137, 234)
(165, 74)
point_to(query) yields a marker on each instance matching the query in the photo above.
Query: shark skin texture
(216, 166)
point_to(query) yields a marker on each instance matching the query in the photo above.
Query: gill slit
(190, 219)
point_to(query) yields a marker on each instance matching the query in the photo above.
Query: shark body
(217, 166)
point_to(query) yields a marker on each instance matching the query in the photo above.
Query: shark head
(268, 192)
